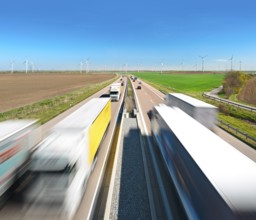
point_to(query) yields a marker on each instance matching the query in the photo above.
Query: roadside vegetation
(129, 99)
(241, 87)
(47, 109)
(195, 84)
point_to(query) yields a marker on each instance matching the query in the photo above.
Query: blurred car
(139, 87)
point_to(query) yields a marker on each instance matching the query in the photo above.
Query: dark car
(138, 87)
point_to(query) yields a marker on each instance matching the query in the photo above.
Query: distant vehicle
(212, 178)
(115, 91)
(139, 87)
(140, 82)
(199, 110)
(122, 83)
(64, 160)
(17, 138)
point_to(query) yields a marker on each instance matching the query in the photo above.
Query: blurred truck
(17, 138)
(199, 110)
(64, 160)
(212, 178)
(115, 91)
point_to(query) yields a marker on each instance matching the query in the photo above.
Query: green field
(193, 84)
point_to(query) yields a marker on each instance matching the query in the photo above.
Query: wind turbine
(231, 62)
(12, 63)
(26, 64)
(240, 65)
(81, 66)
(202, 57)
(195, 66)
(87, 65)
(139, 67)
(162, 65)
(31, 66)
(181, 65)
(126, 67)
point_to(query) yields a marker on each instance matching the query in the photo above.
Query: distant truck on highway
(64, 160)
(199, 110)
(115, 91)
(17, 138)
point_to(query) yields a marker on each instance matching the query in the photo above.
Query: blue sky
(159, 34)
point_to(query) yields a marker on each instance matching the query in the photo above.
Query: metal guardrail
(249, 108)
(245, 135)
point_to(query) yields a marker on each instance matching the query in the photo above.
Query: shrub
(232, 83)
(248, 92)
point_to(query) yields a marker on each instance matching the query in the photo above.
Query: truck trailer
(115, 91)
(17, 139)
(199, 110)
(64, 160)
(212, 178)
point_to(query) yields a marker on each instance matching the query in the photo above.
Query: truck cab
(115, 91)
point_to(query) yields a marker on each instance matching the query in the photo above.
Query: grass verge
(129, 99)
(239, 125)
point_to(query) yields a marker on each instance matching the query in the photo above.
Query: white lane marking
(159, 179)
(152, 89)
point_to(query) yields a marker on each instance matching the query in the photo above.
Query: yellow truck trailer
(98, 129)
(64, 160)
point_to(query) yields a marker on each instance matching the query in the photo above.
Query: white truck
(64, 160)
(212, 178)
(17, 138)
(199, 110)
(115, 91)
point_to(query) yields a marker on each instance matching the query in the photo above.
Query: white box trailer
(115, 91)
(213, 179)
(17, 138)
(199, 110)
(64, 160)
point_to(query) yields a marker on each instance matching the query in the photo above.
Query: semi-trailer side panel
(199, 110)
(98, 129)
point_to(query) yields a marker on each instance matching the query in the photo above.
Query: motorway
(162, 193)
(17, 209)
(165, 199)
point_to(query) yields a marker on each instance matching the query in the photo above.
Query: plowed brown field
(20, 89)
